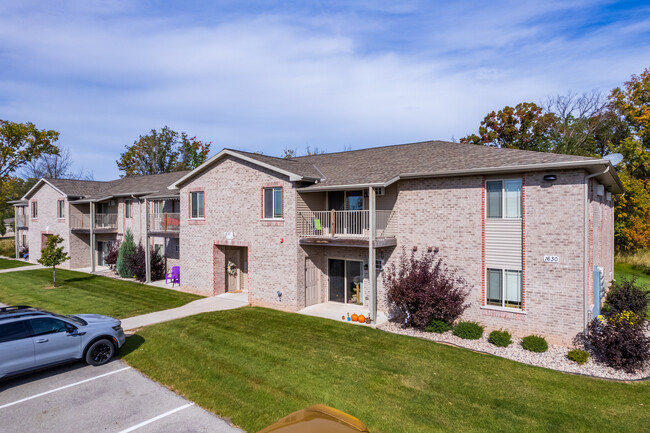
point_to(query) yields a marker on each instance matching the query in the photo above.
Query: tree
(127, 250)
(290, 152)
(162, 152)
(58, 166)
(21, 143)
(53, 255)
(525, 127)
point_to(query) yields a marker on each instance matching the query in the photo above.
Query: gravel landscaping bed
(555, 358)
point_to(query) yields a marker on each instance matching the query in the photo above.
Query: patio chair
(174, 276)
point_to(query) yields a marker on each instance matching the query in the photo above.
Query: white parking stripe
(63, 387)
(149, 421)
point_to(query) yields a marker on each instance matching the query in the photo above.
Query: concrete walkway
(227, 301)
(22, 268)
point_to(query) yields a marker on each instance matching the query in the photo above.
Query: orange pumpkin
(355, 317)
(362, 318)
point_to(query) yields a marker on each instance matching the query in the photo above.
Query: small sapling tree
(53, 255)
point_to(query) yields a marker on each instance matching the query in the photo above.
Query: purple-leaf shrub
(423, 288)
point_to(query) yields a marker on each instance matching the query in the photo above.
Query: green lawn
(626, 271)
(8, 264)
(255, 365)
(78, 292)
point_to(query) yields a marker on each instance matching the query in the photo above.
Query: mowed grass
(628, 271)
(9, 264)
(78, 292)
(255, 365)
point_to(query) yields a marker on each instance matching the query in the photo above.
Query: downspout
(586, 248)
(16, 232)
(372, 273)
(92, 236)
(147, 248)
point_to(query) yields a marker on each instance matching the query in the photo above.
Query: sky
(263, 76)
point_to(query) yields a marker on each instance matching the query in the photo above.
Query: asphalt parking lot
(110, 398)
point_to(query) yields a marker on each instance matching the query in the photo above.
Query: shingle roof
(89, 190)
(154, 184)
(381, 164)
(77, 188)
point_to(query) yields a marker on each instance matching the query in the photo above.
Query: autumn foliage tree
(589, 125)
(163, 151)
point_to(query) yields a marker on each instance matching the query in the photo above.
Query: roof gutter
(586, 247)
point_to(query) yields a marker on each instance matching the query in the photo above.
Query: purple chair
(174, 276)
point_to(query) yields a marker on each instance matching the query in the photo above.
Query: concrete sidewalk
(22, 268)
(227, 301)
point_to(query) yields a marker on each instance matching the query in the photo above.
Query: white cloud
(104, 73)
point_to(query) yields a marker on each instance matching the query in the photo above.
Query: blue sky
(266, 75)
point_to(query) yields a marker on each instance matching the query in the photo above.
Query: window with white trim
(34, 210)
(273, 203)
(60, 214)
(197, 210)
(128, 208)
(504, 288)
(503, 198)
(159, 249)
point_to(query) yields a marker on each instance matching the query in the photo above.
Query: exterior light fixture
(550, 177)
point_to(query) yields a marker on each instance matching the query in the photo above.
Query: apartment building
(89, 215)
(531, 232)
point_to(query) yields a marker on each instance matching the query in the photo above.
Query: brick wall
(47, 222)
(233, 204)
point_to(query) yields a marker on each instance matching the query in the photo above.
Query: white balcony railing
(105, 220)
(347, 223)
(22, 221)
(165, 222)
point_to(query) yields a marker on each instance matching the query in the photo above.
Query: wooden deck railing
(348, 223)
(106, 220)
(22, 221)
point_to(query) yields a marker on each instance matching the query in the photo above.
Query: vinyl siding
(503, 245)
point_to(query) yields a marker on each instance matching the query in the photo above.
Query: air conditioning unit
(111, 202)
(378, 191)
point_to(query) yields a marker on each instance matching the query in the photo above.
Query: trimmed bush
(137, 264)
(619, 342)
(578, 356)
(534, 343)
(626, 295)
(111, 255)
(423, 288)
(500, 338)
(438, 326)
(124, 255)
(468, 330)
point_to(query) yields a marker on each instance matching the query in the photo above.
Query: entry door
(233, 282)
(311, 283)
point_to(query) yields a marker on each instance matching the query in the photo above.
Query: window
(128, 208)
(34, 210)
(158, 207)
(13, 331)
(197, 206)
(158, 249)
(504, 288)
(48, 325)
(273, 203)
(60, 209)
(503, 198)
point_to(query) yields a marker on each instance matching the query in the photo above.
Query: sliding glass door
(346, 281)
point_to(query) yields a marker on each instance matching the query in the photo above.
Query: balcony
(22, 221)
(165, 224)
(104, 222)
(346, 228)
